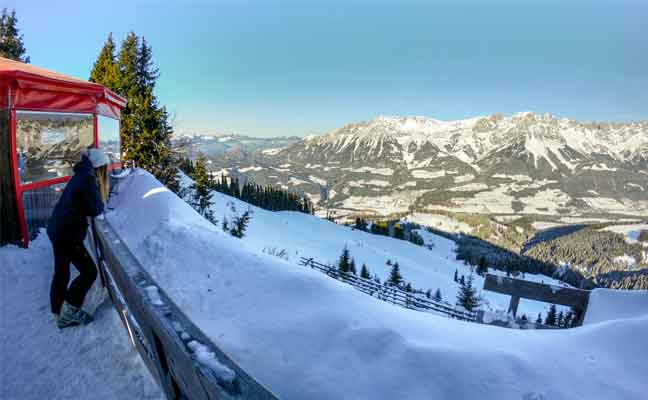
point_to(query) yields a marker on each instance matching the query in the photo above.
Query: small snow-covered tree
(395, 277)
(240, 224)
(539, 319)
(467, 296)
(551, 316)
(428, 293)
(202, 190)
(456, 276)
(408, 287)
(567, 322)
(344, 262)
(352, 267)
(561, 319)
(437, 295)
(364, 272)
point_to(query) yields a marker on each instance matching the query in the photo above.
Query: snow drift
(307, 336)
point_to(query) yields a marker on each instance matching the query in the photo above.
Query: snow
(154, 295)
(440, 221)
(631, 231)
(205, 357)
(39, 361)
(252, 168)
(279, 321)
(377, 171)
(609, 305)
(426, 174)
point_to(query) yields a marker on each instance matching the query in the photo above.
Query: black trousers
(64, 254)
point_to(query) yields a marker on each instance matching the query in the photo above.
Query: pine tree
(462, 280)
(467, 296)
(428, 293)
(561, 319)
(524, 318)
(395, 277)
(144, 127)
(539, 319)
(482, 267)
(11, 40)
(408, 287)
(437, 295)
(344, 263)
(352, 267)
(551, 316)
(568, 319)
(360, 224)
(240, 224)
(201, 190)
(456, 276)
(364, 272)
(105, 70)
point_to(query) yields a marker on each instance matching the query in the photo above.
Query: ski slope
(38, 361)
(302, 235)
(306, 336)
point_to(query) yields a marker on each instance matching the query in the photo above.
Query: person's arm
(94, 203)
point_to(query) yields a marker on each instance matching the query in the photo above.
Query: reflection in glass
(49, 144)
(109, 140)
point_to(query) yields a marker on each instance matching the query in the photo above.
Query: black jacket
(80, 199)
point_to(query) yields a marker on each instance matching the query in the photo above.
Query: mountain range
(526, 163)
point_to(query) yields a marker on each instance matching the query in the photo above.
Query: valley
(523, 191)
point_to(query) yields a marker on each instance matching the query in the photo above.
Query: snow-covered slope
(303, 235)
(38, 361)
(307, 336)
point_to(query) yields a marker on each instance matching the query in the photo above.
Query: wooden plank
(554, 294)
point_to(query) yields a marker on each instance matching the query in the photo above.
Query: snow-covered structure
(46, 119)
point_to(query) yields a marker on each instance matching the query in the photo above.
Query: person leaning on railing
(83, 197)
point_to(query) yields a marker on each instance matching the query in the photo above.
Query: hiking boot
(71, 316)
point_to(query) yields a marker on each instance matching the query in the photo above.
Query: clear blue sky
(299, 67)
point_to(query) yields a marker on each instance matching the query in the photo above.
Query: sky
(271, 68)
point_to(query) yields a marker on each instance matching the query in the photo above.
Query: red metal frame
(32, 88)
(20, 188)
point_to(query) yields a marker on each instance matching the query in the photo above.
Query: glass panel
(38, 205)
(49, 144)
(109, 140)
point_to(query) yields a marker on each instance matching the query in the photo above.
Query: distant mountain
(523, 164)
(232, 148)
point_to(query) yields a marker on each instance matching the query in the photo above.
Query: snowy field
(278, 321)
(38, 361)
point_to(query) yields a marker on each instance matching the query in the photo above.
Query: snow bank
(608, 304)
(305, 335)
(39, 361)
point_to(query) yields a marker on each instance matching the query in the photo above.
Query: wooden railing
(171, 346)
(391, 294)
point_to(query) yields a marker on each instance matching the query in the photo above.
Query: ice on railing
(208, 359)
(154, 295)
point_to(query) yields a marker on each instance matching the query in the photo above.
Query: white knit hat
(97, 157)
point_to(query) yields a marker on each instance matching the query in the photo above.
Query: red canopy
(35, 88)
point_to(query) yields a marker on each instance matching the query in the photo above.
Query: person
(83, 197)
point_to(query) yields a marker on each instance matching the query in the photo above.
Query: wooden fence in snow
(392, 294)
